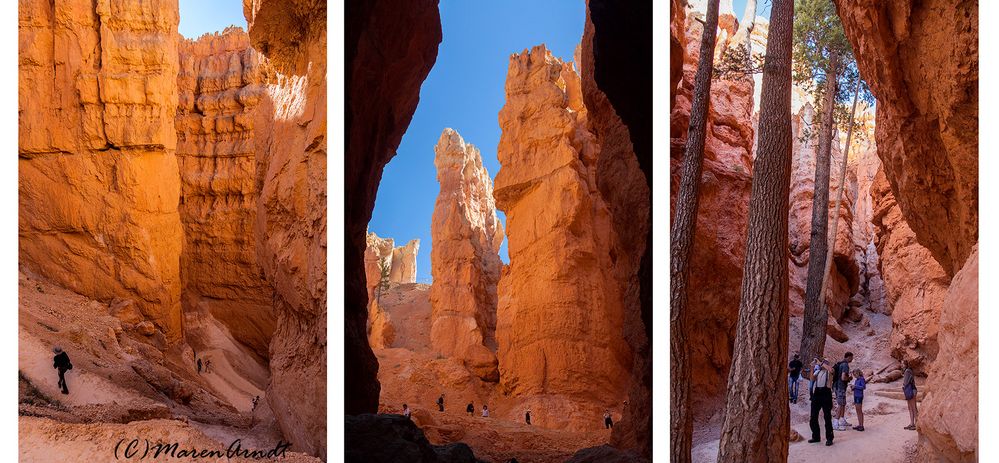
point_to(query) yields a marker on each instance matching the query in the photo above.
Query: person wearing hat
(61, 362)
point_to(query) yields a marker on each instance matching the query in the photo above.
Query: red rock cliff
(921, 62)
(98, 178)
(465, 258)
(720, 236)
(389, 48)
(291, 210)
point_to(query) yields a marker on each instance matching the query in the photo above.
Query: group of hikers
(829, 381)
(470, 410)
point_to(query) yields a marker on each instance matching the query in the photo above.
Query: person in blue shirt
(858, 398)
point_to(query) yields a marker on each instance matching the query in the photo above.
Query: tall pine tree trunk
(681, 245)
(813, 330)
(755, 427)
(839, 194)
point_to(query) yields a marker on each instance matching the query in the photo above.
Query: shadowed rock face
(915, 284)
(394, 438)
(291, 210)
(921, 62)
(616, 65)
(98, 178)
(390, 46)
(221, 85)
(465, 258)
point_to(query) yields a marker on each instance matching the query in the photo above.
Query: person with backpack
(61, 362)
(822, 400)
(858, 398)
(440, 402)
(842, 378)
(909, 389)
(793, 374)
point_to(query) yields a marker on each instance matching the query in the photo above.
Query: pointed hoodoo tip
(450, 137)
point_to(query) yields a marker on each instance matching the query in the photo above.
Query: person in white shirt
(406, 411)
(485, 411)
(822, 400)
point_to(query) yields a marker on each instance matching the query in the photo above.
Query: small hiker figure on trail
(527, 416)
(470, 409)
(61, 362)
(793, 375)
(255, 400)
(440, 402)
(199, 366)
(485, 411)
(208, 365)
(608, 422)
(406, 411)
(910, 392)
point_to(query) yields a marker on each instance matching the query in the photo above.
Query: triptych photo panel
(495, 296)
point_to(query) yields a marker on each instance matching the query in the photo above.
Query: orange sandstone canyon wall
(560, 319)
(465, 258)
(98, 175)
(389, 47)
(291, 209)
(923, 70)
(220, 86)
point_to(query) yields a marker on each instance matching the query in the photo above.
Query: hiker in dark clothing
(527, 416)
(793, 374)
(61, 362)
(822, 400)
(440, 402)
(199, 366)
(608, 422)
(470, 409)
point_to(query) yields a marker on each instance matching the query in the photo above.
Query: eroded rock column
(465, 259)
(560, 319)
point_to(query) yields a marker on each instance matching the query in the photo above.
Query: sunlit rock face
(291, 209)
(948, 416)
(389, 48)
(465, 259)
(560, 318)
(98, 178)
(220, 85)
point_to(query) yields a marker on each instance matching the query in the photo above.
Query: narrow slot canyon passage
(500, 275)
(172, 227)
(901, 287)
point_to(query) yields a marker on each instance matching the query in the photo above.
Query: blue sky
(762, 8)
(464, 91)
(200, 16)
